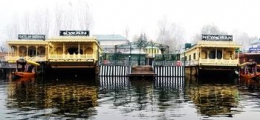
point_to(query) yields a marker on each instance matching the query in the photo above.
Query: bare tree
(84, 16)
(2, 45)
(41, 22)
(208, 29)
(2, 49)
(58, 19)
(29, 23)
(46, 22)
(243, 39)
(65, 16)
(72, 16)
(135, 37)
(126, 32)
(170, 34)
(12, 30)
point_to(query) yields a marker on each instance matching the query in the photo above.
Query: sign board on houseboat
(217, 37)
(74, 33)
(254, 48)
(31, 37)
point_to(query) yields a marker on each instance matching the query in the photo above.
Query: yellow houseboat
(213, 55)
(70, 50)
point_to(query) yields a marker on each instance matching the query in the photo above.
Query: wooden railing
(69, 56)
(35, 58)
(212, 62)
(51, 56)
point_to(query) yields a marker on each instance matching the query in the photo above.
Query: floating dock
(144, 72)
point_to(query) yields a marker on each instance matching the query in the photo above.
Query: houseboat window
(189, 57)
(204, 54)
(31, 52)
(89, 50)
(58, 50)
(230, 54)
(22, 51)
(219, 54)
(74, 51)
(13, 48)
(194, 55)
(41, 51)
(212, 54)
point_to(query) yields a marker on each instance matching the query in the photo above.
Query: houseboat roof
(110, 37)
(218, 44)
(152, 47)
(26, 42)
(257, 41)
(72, 39)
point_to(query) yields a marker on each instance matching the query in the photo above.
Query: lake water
(117, 98)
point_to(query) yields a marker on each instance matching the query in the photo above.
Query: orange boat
(250, 76)
(249, 70)
(24, 79)
(25, 72)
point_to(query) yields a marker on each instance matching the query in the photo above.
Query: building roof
(214, 44)
(110, 37)
(257, 41)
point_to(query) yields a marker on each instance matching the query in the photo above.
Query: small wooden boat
(23, 79)
(249, 70)
(250, 76)
(25, 72)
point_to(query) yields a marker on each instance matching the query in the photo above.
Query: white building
(109, 41)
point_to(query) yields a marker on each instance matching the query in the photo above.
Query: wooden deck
(144, 72)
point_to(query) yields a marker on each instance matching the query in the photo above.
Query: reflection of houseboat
(212, 55)
(61, 97)
(66, 51)
(214, 99)
(213, 96)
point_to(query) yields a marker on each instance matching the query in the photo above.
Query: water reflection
(147, 99)
(249, 83)
(37, 98)
(214, 96)
(170, 94)
(120, 98)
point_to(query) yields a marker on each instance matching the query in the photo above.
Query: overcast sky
(138, 16)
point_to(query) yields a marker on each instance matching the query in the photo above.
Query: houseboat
(213, 55)
(73, 51)
(253, 52)
(249, 61)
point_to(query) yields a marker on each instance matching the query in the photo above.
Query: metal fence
(135, 62)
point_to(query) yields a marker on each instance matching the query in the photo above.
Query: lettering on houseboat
(217, 37)
(73, 33)
(31, 37)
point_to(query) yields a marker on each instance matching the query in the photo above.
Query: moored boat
(27, 68)
(248, 70)
(250, 76)
(24, 74)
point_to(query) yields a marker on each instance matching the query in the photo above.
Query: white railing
(212, 62)
(191, 63)
(69, 56)
(219, 62)
(51, 56)
(36, 58)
